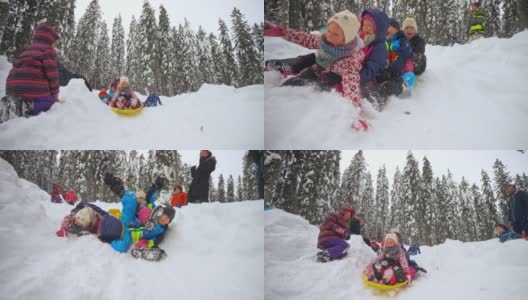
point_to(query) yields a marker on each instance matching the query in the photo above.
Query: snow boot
(137, 252)
(153, 219)
(376, 95)
(291, 65)
(323, 256)
(153, 254)
(12, 107)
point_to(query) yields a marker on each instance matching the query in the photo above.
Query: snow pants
(337, 248)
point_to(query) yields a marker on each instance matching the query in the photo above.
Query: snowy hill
(215, 251)
(471, 96)
(215, 116)
(456, 270)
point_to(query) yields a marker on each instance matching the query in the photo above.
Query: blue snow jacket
(508, 235)
(376, 60)
(518, 212)
(152, 193)
(153, 100)
(129, 203)
(401, 46)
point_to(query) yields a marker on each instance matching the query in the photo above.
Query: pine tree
(164, 56)
(249, 178)
(250, 71)
(186, 60)
(117, 59)
(493, 25)
(101, 76)
(230, 193)
(165, 163)
(213, 193)
(4, 15)
(442, 210)
(353, 182)
(510, 18)
(522, 9)
(203, 57)
(18, 29)
(427, 201)
(272, 168)
(367, 206)
(147, 44)
(412, 211)
(229, 74)
(501, 180)
(239, 191)
(490, 207)
(467, 220)
(381, 213)
(258, 36)
(133, 52)
(480, 213)
(216, 59)
(396, 204)
(85, 42)
(452, 205)
(221, 189)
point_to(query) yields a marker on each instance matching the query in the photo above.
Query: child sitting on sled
(124, 97)
(390, 266)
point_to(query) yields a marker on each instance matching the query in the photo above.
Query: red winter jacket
(334, 226)
(70, 197)
(34, 73)
(347, 67)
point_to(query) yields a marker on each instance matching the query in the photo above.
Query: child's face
(124, 84)
(103, 90)
(164, 220)
(178, 190)
(140, 199)
(335, 35)
(410, 32)
(367, 27)
(499, 230)
(391, 31)
(389, 243)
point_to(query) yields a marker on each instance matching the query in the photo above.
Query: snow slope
(470, 96)
(456, 270)
(216, 116)
(215, 251)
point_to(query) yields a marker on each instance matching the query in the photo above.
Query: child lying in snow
(125, 98)
(391, 265)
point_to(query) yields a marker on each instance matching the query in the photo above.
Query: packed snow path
(215, 251)
(215, 116)
(456, 270)
(470, 96)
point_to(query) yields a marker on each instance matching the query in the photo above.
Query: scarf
(327, 54)
(391, 252)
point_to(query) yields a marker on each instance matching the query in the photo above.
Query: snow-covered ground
(456, 270)
(216, 116)
(215, 251)
(470, 96)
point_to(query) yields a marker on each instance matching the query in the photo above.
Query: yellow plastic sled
(128, 112)
(115, 212)
(382, 287)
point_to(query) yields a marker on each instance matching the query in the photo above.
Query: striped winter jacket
(334, 226)
(34, 73)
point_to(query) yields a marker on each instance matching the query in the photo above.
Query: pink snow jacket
(400, 259)
(347, 67)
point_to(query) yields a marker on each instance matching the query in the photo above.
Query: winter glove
(116, 185)
(347, 235)
(160, 182)
(271, 29)
(340, 231)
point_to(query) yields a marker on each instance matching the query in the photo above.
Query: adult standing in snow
(477, 22)
(332, 235)
(56, 196)
(258, 159)
(199, 189)
(33, 83)
(518, 210)
(65, 76)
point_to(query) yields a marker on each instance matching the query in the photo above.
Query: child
(337, 60)
(70, 197)
(505, 234)
(56, 194)
(399, 75)
(390, 266)
(152, 100)
(417, 44)
(414, 249)
(32, 85)
(147, 241)
(179, 197)
(113, 89)
(141, 203)
(103, 95)
(125, 98)
(477, 22)
(332, 235)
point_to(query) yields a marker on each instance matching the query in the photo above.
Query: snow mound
(471, 96)
(215, 116)
(456, 270)
(215, 251)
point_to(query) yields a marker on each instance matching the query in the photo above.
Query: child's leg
(128, 200)
(41, 104)
(337, 248)
(291, 65)
(124, 243)
(306, 77)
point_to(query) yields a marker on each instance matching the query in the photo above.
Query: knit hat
(394, 23)
(410, 22)
(344, 209)
(123, 79)
(368, 18)
(84, 217)
(140, 194)
(169, 211)
(46, 34)
(348, 23)
(391, 236)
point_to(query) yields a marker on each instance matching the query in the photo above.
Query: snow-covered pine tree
(18, 29)
(117, 59)
(353, 182)
(166, 163)
(480, 213)
(271, 11)
(4, 15)
(239, 190)
(510, 18)
(132, 52)
(250, 70)
(428, 202)
(452, 205)
(493, 20)
(413, 213)
(185, 178)
(501, 179)
(285, 194)
(442, 206)
(230, 192)
(164, 55)
(221, 189)
(147, 44)
(258, 36)
(396, 201)
(229, 67)
(381, 210)
(467, 219)
(203, 58)
(213, 194)
(491, 217)
(185, 59)
(522, 9)
(249, 178)
(368, 206)
(101, 76)
(133, 165)
(272, 168)
(85, 41)
(216, 59)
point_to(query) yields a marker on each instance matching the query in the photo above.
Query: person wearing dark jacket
(258, 159)
(199, 189)
(32, 85)
(417, 45)
(65, 76)
(518, 210)
(354, 228)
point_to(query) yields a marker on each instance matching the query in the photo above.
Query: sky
(467, 163)
(228, 162)
(198, 12)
